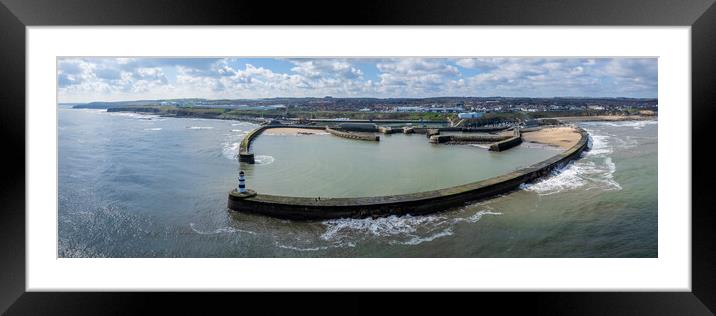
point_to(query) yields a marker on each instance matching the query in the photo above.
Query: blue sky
(114, 79)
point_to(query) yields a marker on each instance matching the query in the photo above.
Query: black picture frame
(15, 15)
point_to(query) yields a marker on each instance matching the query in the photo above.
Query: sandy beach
(294, 131)
(563, 137)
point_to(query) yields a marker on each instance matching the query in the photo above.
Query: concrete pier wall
(440, 139)
(367, 137)
(483, 129)
(508, 143)
(358, 127)
(245, 155)
(432, 132)
(415, 130)
(302, 208)
(389, 130)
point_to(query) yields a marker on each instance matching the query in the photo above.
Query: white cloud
(89, 79)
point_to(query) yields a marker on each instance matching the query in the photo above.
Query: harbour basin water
(329, 166)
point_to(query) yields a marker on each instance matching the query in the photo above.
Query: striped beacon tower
(242, 182)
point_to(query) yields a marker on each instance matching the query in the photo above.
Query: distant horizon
(360, 97)
(110, 79)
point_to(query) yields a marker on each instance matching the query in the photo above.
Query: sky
(90, 79)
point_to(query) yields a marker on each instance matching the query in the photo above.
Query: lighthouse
(242, 182)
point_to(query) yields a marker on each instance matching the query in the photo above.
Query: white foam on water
(301, 249)
(379, 227)
(480, 146)
(477, 216)
(593, 171)
(230, 149)
(419, 240)
(319, 248)
(220, 230)
(239, 131)
(627, 143)
(607, 178)
(90, 110)
(632, 124)
(599, 145)
(263, 159)
(153, 129)
(400, 230)
(200, 127)
(558, 181)
(132, 115)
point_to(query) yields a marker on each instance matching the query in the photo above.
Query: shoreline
(607, 118)
(592, 118)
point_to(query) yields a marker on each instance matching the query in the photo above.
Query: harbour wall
(307, 208)
(389, 130)
(439, 139)
(245, 155)
(429, 130)
(508, 143)
(343, 134)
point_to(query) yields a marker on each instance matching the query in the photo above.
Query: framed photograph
(422, 147)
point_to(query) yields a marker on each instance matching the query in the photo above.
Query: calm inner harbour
(324, 165)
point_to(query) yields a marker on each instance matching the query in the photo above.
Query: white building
(409, 109)
(471, 115)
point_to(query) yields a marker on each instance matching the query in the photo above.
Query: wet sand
(563, 137)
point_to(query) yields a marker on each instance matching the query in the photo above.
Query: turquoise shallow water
(142, 186)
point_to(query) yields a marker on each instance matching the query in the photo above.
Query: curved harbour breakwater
(308, 208)
(245, 155)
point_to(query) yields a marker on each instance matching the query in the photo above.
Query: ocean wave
(393, 230)
(627, 142)
(90, 110)
(419, 240)
(317, 248)
(632, 124)
(588, 174)
(220, 230)
(263, 159)
(400, 230)
(599, 145)
(230, 150)
(153, 129)
(200, 127)
(133, 115)
(558, 181)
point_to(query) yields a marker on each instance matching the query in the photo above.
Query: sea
(145, 186)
